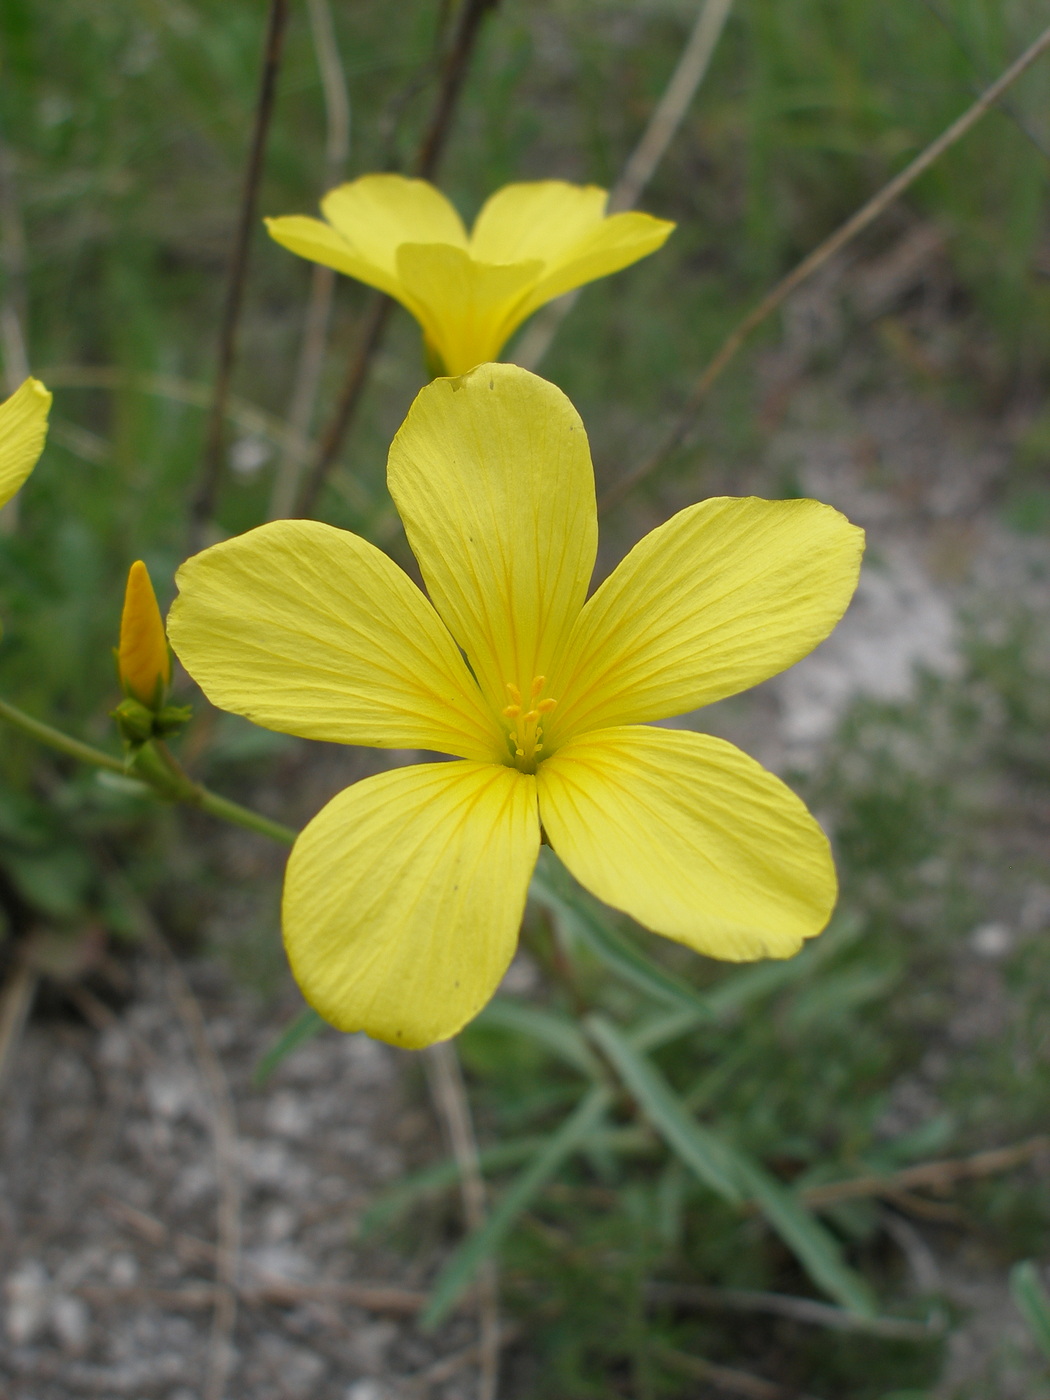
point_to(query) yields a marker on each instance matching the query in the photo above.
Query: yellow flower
(23, 428)
(404, 895)
(143, 659)
(529, 244)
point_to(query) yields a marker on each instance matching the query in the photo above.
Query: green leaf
(1033, 1302)
(700, 1149)
(442, 1175)
(555, 1033)
(305, 1026)
(455, 1277)
(428, 1182)
(732, 1173)
(815, 1247)
(738, 991)
(554, 887)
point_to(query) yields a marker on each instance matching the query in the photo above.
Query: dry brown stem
(473, 14)
(227, 1165)
(936, 1176)
(843, 235)
(322, 282)
(203, 505)
(450, 1099)
(643, 161)
(728, 1378)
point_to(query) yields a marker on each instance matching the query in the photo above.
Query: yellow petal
(143, 659)
(467, 309)
(724, 595)
(566, 227)
(618, 241)
(23, 428)
(312, 631)
(691, 837)
(404, 897)
(319, 242)
(368, 220)
(492, 476)
(542, 219)
(377, 213)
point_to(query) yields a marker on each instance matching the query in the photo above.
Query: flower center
(525, 738)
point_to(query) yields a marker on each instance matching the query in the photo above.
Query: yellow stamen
(526, 734)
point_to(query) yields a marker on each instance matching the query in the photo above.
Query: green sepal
(138, 724)
(135, 721)
(170, 719)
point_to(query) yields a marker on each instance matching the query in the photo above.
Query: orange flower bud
(143, 659)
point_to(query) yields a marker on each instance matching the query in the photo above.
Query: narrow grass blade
(428, 1182)
(741, 990)
(816, 1248)
(305, 1026)
(627, 1142)
(1033, 1302)
(732, 1173)
(455, 1277)
(555, 1033)
(700, 1149)
(553, 887)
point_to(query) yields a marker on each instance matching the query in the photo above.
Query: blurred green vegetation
(123, 132)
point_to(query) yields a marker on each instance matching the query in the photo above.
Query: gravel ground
(111, 1140)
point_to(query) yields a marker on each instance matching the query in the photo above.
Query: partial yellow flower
(23, 428)
(403, 897)
(143, 659)
(469, 293)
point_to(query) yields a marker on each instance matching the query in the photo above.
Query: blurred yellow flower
(143, 659)
(404, 895)
(469, 293)
(23, 428)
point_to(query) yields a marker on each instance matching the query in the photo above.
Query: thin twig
(450, 1098)
(808, 1310)
(377, 1297)
(643, 161)
(846, 232)
(473, 14)
(726, 1378)
(398, 1302)
(227, 1162)
(1014, 113)
(203, 505)
(937, 1176)
(322, 281)
(248, 416)
(440, 1371)
(16, 1002)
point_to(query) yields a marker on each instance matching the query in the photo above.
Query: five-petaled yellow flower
(404, 895)
(530, 243)
(23, 428)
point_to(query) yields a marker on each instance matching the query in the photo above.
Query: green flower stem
(159, 770)
(55, 739)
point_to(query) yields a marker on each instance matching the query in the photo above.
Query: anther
(538, 683)
(513, 692)
(546, 705)
(532, 716)
(512, 711)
